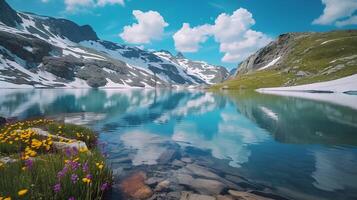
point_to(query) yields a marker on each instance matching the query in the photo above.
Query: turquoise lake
(297, 148)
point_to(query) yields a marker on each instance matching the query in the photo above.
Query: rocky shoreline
(180, 175)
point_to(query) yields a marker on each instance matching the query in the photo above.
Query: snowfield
(330, 91)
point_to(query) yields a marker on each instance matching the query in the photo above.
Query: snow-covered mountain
(39, 51)
(210, 74)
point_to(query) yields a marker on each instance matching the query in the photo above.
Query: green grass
(310, 55)
(256, 80)
(39, 174)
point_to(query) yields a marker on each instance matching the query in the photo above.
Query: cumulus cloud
(187, 39)
(150, 26)
(110, 2)
(233, 33)
(73, 5)
(337, 12)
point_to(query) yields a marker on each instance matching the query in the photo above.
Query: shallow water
(299, 149)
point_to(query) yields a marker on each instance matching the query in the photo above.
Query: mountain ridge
(40, 51)
(296, 59)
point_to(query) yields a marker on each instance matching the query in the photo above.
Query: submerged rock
(224, 197)
(163, 185)
(191, 196)
(201, 171)
(246, 195)
(206, 186)
(178, 163)
(186, 160)
(134, 186)
(167, 156)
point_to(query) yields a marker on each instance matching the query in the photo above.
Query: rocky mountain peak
(8, 16)
(180, 56)
(71, 30)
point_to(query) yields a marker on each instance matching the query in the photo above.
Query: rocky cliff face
(277, 51)
(298, 58)
(39, 51)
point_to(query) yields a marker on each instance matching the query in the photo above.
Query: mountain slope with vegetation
(296, 59)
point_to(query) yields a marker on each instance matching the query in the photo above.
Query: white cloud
(187, 39)
(233, 33)
(338, 12)
(110, 2)
(71, 5)
(74, 5)
(350, 21)
(150, 26)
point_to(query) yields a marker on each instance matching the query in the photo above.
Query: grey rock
(224, 197)
(152, 181)
(178, 163)
(191, 196)
(186, 160)
(163, 185)
(301, 73)
(206, 186)
(201, 171)
(246, 195)
(184, 179)
(167, 156)
(117, 171)
(7, 160)
(174, 195)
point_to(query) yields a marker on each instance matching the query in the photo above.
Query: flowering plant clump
(40, 171)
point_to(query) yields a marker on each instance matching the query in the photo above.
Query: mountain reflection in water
(303, 149)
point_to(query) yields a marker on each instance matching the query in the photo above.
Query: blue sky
(258, 22)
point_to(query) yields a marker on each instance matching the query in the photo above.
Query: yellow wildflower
(22, 192)
(83, 149)
(86, 180)
(100, 165)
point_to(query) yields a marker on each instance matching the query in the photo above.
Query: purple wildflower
(74, 165)
(89, 176)
(71, 198)
(68, 152)
(74, 151)
(29, 163)
(74, 178)
(104, 187)
(85, 167)
(62, 173)
(57, 188)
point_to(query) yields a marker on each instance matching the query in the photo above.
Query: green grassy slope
(322, 56)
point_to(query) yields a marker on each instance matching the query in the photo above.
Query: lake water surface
(296, 148)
